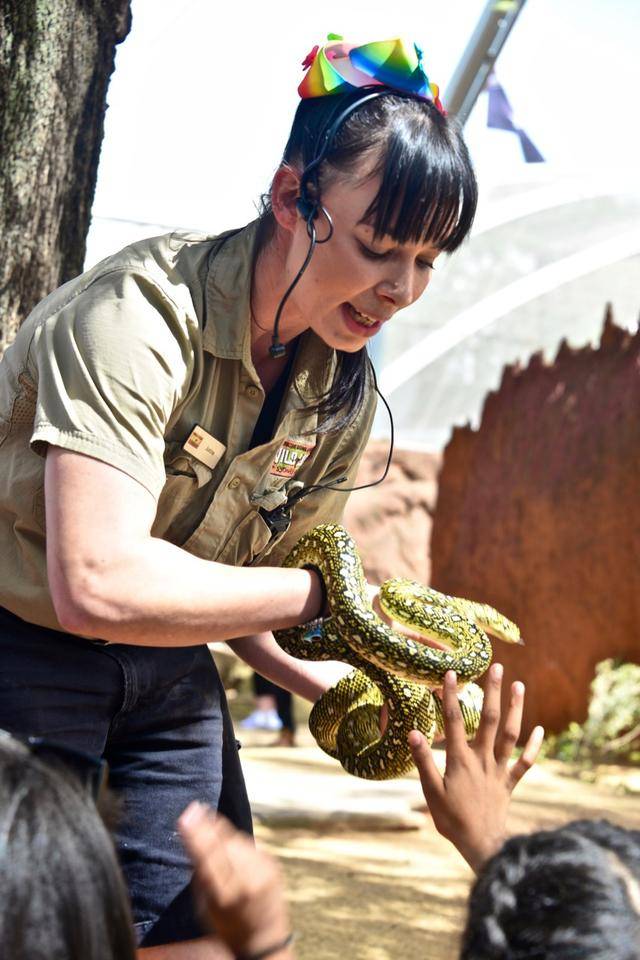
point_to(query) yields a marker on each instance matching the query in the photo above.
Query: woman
(157, 430)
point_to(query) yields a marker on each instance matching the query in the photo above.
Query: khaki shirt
(121, 364)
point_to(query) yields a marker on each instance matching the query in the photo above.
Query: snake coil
(390, 667)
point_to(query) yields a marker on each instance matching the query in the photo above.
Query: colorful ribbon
(338, 67)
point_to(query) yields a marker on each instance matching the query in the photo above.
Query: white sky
(203, 95)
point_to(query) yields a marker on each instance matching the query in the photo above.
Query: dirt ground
(384, 894)
(373, 894)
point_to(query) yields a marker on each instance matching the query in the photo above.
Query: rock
(391, 523)
(538, 514)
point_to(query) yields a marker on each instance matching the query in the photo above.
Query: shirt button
(252, 391)
(234, 483)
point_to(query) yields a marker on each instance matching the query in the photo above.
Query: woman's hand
(240, 888)
(469, 803)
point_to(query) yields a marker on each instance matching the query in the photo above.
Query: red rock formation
(391, 523)
(538, 513)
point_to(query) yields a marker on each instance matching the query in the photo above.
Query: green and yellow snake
(390, 667)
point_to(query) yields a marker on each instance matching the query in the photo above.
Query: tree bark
(56, 59)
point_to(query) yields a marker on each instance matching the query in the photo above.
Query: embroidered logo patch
(290, 456)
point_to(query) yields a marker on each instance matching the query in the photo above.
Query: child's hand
(469, 804)
(240, 888)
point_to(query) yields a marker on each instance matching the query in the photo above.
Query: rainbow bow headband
(337, 67)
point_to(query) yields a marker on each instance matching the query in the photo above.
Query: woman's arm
(469, 803)
(308, 680)
(110, 579)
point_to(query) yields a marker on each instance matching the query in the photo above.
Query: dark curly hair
(566, 894)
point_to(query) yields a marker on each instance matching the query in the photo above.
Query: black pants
(284, 701)
(159, 717)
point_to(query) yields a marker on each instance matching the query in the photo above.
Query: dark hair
(63, 895)
(428, 192)
(557, 895)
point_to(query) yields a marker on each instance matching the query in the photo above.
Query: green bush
(611, 732)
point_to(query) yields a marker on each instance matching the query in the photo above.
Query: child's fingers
(210, 841)
(201, 829)
(192, 826)
(528, 756)
(453, 724)
(508, 735)
(193, 814)
(430, 778)
(490, 716)
(383, 719)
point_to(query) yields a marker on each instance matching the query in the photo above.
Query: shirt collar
(227, 331)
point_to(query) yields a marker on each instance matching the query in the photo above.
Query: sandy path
(370, 895)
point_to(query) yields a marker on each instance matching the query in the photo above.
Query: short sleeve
(112, 365)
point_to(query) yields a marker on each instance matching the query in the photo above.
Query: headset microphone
(310, 207)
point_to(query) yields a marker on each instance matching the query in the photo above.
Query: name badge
(203, 446)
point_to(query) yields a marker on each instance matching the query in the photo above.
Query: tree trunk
(56, 59)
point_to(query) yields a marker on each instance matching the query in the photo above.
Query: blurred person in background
(273, 711)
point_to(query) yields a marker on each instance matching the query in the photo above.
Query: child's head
(558, 894)
(62, 891)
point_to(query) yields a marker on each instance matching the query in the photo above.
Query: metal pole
(476, 63)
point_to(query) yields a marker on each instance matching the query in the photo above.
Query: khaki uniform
(122, 364)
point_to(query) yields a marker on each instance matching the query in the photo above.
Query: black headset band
(324, 141)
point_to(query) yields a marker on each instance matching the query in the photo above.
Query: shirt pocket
(251, 540)
(262, 548)
(184, 477)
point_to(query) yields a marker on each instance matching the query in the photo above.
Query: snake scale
(389, 666)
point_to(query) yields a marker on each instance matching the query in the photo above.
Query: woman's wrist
(318, 596)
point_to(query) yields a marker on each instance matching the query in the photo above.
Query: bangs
(428, 191)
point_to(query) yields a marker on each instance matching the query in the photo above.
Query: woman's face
(354, 283)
